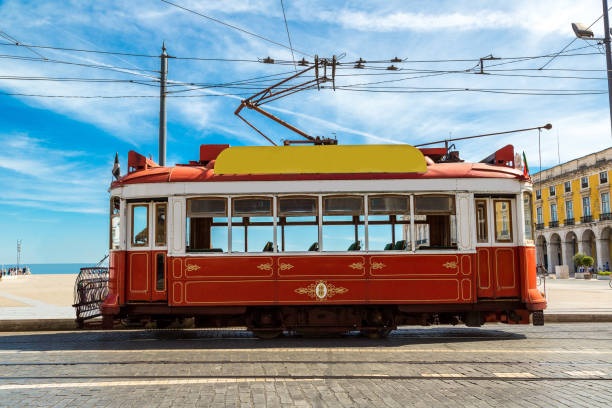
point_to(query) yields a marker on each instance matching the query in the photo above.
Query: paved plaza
(566, 365)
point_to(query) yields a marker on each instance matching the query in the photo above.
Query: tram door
(497, 253)
(146, 268)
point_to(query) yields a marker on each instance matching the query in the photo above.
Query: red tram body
(322, 238)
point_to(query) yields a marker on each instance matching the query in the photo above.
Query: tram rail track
(427, 376)
(251, 362)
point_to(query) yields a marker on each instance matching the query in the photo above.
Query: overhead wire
(288, 36)
(235, 27)
(7, 37)
(571, 42)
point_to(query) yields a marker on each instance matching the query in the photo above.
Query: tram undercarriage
(374, 321)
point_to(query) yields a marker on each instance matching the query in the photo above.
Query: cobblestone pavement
(519, 366)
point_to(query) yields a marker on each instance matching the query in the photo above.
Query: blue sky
(56, 154)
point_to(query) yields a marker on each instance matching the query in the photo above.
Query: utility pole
(162, 105)
(608, 55)
(18, 253)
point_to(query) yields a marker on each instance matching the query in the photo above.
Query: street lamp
(583, 32)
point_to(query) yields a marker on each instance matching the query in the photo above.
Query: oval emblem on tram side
(321, 290)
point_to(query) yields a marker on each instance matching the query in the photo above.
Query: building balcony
(605, 216)
(586, 218)
(539, 226)
(553, 224)
(569, 221)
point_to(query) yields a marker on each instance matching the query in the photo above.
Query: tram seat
(355, 246)
(400, 245)
(389, 246)
(314, 247)
(269, 247)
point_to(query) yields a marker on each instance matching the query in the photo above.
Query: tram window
(160, 224)
(252, 225)
(140, 225)
(388, 223)
(528, 216)
(343, 224)
(160, 278)
(207, 225)
(115, 217)
(298, 228)
(435, 222)
(481, 221)
(503, 221)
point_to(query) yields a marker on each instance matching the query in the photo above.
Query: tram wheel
(538, 318)
(267, 334)
(376, 334)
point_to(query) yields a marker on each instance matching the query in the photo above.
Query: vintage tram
(323, 238)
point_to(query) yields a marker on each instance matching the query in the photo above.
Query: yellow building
(572, 211)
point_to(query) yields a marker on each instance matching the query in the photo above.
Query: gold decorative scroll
(321, 290)
(450, 265)
(356, 265)
(265, 267)
(285, 266)
(378, 265)
(191, 267)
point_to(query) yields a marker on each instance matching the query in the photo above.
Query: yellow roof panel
(320, 159)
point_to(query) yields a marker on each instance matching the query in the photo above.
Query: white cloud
(38, 176)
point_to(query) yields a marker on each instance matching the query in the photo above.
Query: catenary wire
(288, 36)
(235, 27)
(571, 42)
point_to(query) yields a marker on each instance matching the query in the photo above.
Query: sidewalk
(40, 302)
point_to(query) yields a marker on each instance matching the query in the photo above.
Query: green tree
(579, 259)
(588, 261)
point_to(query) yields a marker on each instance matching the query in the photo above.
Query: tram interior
(301, 227)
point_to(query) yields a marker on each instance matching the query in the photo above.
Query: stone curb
(577, 318)
(70, 324)
(37, 325)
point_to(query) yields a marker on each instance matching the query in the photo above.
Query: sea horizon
(52, 268)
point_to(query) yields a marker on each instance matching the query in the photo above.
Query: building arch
(570, 248)
(541, 251)
(588, 245)
(604, 247)
(555, 253)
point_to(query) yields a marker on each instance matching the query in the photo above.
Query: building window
(207, 225)
(140, 225)
(539, 216)
(603, 177)
(586, 206)
(538, 194)
(552, 190)
(569, 210)
(527, 209)
(584, 182)
(481, 220)
(567, 186)
(605, 203)
(503, 221)
(553, 212)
